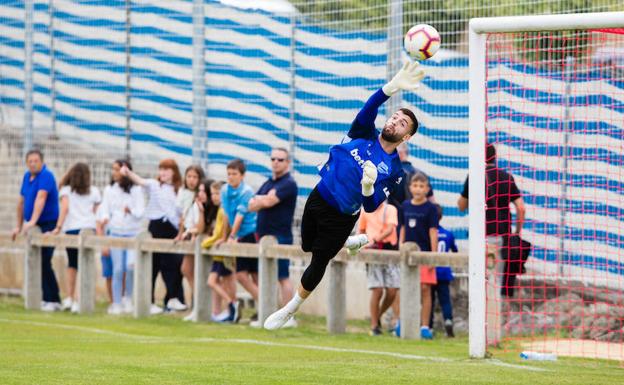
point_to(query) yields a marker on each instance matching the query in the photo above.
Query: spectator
(275, 203)
(221, 279)
(501, 190)
(397, 197)
(38, 206)
(193, 176)
(199, 218)
(120, 216)
(164, 222)
(444, 275)
(380, 228)
(235, 197)
(79, 201)
(420, 219)
(402, 193)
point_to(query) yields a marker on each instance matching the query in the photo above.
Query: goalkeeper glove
(369, 176)
(406, 79)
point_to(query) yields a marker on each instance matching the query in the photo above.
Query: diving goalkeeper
(362, 171)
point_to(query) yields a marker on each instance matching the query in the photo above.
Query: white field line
(157, 339)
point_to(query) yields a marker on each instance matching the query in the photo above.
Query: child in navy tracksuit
(446, 243)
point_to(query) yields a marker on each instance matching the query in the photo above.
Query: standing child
(120, 216)
(79, 200)
(444, 275)
(164, 221)
(420, 225)
(380, 228)
(193, 176)
(235, 197)
(221, 279)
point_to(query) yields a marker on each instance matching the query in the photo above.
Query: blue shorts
(247, 264)
(107, 267)
(283, 265)
(220, 269)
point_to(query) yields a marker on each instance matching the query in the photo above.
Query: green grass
(63, 348)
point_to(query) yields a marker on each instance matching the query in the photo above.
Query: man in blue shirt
(362, 171)
(275, 203)
(38, 206)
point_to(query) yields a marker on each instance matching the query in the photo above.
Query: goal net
(554, 113)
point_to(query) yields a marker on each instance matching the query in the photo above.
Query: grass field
(39, 348)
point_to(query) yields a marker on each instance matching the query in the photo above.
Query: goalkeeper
(361, 171)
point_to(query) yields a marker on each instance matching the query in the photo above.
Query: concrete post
(409, 294)
(86, 274)
(337, 298)
(142, 278)
(202, 294)
(32, 272)
(267, 276)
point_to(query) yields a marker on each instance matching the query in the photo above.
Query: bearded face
(396, 127)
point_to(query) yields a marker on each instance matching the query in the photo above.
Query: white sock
(294, 303)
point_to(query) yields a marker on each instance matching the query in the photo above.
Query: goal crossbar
(478, 28)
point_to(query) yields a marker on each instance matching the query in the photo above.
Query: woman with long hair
(164, 217)
(120, 215)
(79, 201)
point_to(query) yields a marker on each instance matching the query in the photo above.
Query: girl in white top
(164, 217)
(79, 201)
(120, 215)
(193, 176)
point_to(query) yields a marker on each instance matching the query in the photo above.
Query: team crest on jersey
(382, 168)
(412, 222)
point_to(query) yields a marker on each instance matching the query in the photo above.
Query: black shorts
(247, 264)
(324, 229)
(220, 269)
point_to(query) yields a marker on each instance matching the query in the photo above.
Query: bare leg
(246, 281)
(287, 290)
(71, 282)
(396, 308)
(425, 290)
(375, 298)
(109, 289)
(188, 270)
(213, 283)
(389, 299)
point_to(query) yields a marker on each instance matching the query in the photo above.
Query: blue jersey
(417, 221)
(235, 201)
(341, 175)
(446, 244)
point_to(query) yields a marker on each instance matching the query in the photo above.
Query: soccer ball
(422, 41)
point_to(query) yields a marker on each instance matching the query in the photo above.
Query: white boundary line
(158, 339)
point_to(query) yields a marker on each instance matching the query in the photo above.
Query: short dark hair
(237, 164)
(411, 115)
(284, 150)
(490, 153)
(439, 210)
(34, 151)
(419, 177)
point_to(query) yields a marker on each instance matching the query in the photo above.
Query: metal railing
(267, 251)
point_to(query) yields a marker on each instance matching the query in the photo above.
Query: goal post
(480, 30)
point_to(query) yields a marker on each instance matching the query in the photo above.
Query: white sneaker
(115, 309)
(278, 319)
(155, 309)
(355, 242)
(291, 323)
(126, 304)
(175, 305)
(75, 307)
(189, 317)
(255, 324)
(67, 303)
(51, 307)
(221, 317)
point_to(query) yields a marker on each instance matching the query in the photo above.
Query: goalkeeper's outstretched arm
(408, 79)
